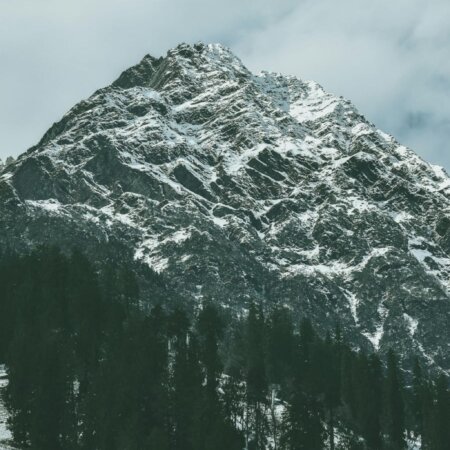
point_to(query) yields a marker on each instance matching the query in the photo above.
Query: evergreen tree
(394, 406)
(427, 415)
(233, 399)
(86, 312)
(418, 393)
(210, 328)
(440, 434)
(256, 382)
(280, 346)
(331, 384)
(348, 382)
(17, 395)
(186, 389)
(218, 430)
(302, 423)
(279, 360)
(371, 405)
(303, 418)
(308, 359)
(86, 370)
(52, 427)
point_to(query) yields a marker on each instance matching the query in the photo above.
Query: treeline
(88, 370)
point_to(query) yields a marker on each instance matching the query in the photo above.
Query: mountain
(240, 187)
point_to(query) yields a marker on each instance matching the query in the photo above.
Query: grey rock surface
(241, 187)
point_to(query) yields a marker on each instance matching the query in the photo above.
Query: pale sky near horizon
(390, 57)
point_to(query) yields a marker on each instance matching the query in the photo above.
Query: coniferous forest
(89, 370)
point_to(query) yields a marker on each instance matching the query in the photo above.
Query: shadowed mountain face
(240, 187)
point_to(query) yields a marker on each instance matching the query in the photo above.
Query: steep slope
(240, 187)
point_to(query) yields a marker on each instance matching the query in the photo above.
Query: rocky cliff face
(240, 187)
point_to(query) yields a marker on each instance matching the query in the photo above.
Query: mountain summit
(239, 187)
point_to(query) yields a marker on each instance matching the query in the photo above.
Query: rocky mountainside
(238, 187)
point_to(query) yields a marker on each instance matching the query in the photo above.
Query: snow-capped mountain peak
(245, 187)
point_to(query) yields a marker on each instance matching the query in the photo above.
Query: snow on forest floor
(5, 435)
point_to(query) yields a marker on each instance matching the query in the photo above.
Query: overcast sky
(390, 57)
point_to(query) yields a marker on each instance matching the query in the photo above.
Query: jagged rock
(241, 187)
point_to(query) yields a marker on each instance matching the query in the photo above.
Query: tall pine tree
(393, 404)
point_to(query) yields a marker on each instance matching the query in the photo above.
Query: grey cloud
(390, 58)
(54, 53)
